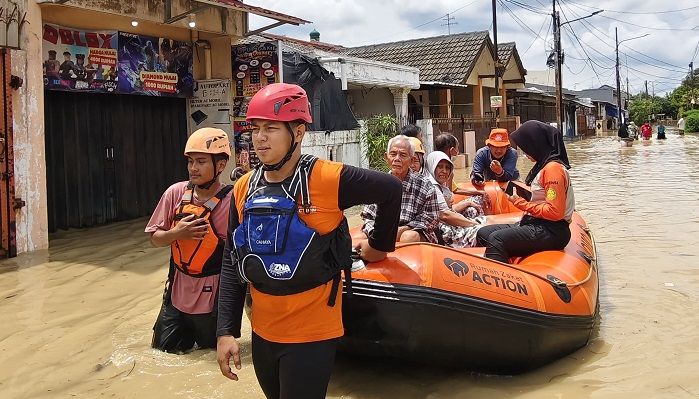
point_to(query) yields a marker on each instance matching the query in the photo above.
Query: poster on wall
(210, 105)
(245, 155)
(154, 66)
(77, 60)
(255, 65)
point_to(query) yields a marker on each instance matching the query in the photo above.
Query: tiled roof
(505, 51)
(448, 58)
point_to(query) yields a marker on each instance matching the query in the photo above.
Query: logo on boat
(459, 268)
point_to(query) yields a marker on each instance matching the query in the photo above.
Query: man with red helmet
(192, 218)
(289, 241)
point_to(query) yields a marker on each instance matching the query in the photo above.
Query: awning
(263, 12)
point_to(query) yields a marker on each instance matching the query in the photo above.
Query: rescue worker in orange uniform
(192, 218)
(547, 216)
(288, 242)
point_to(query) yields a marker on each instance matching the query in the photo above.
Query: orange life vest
(198, 258)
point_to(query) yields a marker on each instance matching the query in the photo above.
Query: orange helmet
(417, 144)
(208, 140)
(498, 138)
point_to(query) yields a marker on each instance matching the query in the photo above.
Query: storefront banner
(77, 60)
(255, 66)
(154, 66)
(210, 106)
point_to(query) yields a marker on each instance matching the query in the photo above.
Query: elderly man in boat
(419, 215)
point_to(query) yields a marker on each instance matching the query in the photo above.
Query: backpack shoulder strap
(254, 180)
(299, 183)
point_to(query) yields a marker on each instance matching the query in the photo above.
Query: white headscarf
(432, 161)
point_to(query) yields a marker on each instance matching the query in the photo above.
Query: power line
(538, 36)
(528, 7)
(624, 45)
(637, 13)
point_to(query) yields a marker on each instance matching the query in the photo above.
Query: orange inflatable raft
(453, 307)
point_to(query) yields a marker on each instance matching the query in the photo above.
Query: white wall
(369, 102)
(344, 146)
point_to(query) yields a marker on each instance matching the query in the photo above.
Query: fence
(482, 127)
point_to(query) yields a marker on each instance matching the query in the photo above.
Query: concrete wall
(369, 102)
(341, 146)
(28, 131)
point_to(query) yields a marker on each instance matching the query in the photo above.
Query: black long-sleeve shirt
(356, 187)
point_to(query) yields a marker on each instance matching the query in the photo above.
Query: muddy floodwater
(76, 319)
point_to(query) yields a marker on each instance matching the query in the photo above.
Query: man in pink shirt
(192, 218)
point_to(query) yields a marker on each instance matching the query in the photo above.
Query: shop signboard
(154, 66)
(210, 106)
(79, 60)
(496, 101)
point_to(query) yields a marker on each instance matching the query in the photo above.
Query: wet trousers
(176, 332)
(503, 241)
(293, 371)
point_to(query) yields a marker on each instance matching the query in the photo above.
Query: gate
(482, 127)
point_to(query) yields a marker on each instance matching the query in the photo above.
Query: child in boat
(459, 222)
(545, 224)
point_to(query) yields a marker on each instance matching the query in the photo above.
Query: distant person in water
(661, 131)
(646, 131)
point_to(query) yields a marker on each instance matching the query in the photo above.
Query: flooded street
(78, 317)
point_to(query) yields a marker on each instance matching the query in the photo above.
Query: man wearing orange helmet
(192, 218)
(496, 161)
(289, 241)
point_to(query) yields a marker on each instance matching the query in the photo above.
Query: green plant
(692, 123)
(379, 129)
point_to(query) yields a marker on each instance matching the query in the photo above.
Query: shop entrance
(109, 157)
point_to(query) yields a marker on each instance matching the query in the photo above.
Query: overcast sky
(672, 41)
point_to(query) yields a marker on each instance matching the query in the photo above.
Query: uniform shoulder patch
(551, 194)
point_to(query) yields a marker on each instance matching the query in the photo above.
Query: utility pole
(559, 80)
(497, 59)
(618, 80)
(618, 83)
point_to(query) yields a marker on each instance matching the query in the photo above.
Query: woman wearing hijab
(458, 223)
(545, 224)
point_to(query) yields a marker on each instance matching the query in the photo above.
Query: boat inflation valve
(560, 287)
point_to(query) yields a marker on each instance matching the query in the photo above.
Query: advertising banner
(77, 60)
(210, 105)
(154, 66)
(255, 66)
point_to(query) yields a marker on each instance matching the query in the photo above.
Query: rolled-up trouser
(531, 235)
(176, 332)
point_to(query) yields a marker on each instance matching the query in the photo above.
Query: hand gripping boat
(452, 307)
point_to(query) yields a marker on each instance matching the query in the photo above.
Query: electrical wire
(636, 13)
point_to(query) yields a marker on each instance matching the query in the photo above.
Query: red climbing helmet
(281, 102)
